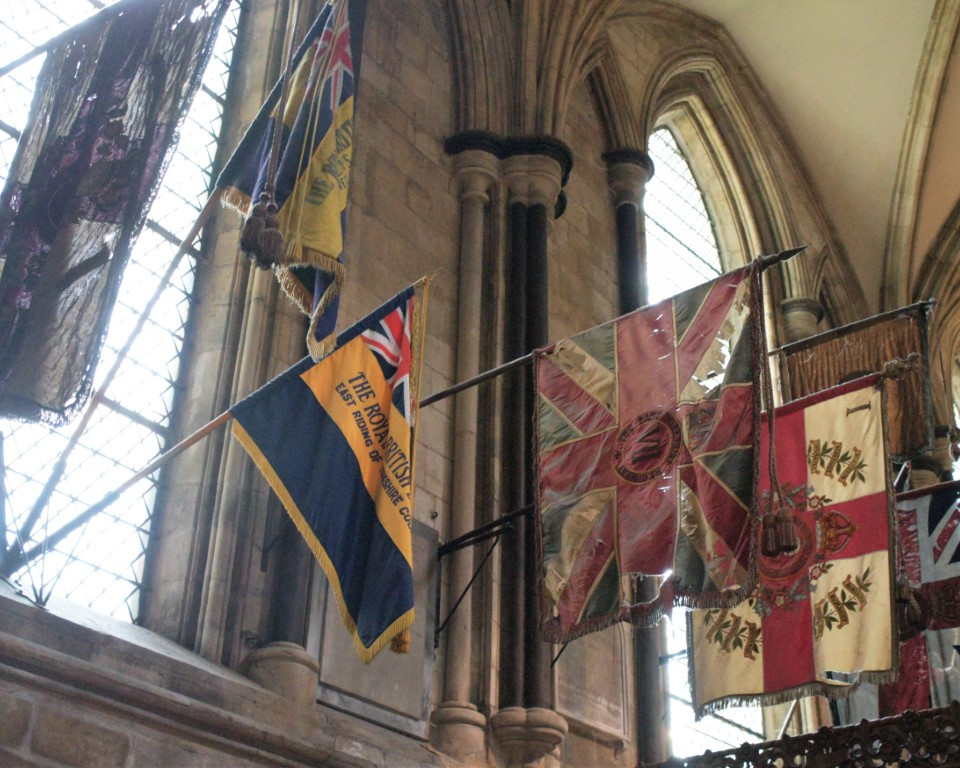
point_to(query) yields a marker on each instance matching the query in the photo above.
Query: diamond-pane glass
(682, 252)
(101, 564)
(681, 247)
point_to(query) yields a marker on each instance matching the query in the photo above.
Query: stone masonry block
(69, 740)
(14, 718)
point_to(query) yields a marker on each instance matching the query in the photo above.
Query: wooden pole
(17, 559)
(787, 719)
(22, 558)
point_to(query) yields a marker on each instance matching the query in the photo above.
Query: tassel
(253, 229)
(401, 642)
(271, 239)
(769, 544)
(787, 539)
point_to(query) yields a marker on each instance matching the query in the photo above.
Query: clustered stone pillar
(458, 729)
(525, 729)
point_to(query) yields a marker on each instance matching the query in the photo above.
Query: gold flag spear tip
(765, 262)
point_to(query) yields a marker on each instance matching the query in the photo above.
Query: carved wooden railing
(930, 737)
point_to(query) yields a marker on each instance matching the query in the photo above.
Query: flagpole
(22, 558)
(764, 263)
(61, 464)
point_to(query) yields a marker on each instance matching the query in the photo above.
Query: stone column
(458, 729)
(628, 171)
(525, 730)
(800, 317)
(929, 469)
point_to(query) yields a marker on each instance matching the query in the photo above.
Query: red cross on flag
(645, 429)
(821, 617)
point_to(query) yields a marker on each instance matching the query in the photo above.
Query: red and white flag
(821, 617)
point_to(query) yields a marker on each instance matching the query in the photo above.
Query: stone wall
(77, 689)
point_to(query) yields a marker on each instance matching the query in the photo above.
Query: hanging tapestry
(930, 562)
(313, 175)
(104, 122)
(831, 358)
(821, 617)
(335, 439)
(645, 450)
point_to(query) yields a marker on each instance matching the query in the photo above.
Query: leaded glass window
(101, 564)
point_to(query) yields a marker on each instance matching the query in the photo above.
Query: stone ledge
(155, 685)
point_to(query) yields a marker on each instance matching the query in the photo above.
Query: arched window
(682, 252)
(681, 245)
(100, 564)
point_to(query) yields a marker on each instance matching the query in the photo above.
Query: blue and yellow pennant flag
(313, 174)
(335, 439)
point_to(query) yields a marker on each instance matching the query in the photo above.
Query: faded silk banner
(104, 122)
(646, 429)
(821, 617)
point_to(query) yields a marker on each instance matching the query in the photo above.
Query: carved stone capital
(925, 471)
(286, 669)
(532, 179)
(457, 729)
(475, 171)
(525, 736)
(800, 317)
(628, 171)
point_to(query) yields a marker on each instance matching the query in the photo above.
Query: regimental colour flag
(109, 101)
(820, 617)
(313, 175)
(930, 554)
(645, 449)
(335, 439)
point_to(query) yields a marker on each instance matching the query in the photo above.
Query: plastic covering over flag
(336, 439)
(821, 617)
(929, 523)
(646, 430)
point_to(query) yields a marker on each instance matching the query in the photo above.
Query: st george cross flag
(645, 429)
(821, 617)
(930, 553)
(335, 439)
(313, 175)
(107, 108)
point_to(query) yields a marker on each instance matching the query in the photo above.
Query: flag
(930, 553)
(313, 174)
(335, 439)
(107, 107)
(831, 358)
(820, 618)
(645, 451)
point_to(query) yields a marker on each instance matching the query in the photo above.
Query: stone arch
(701, 79)
(939, 279)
